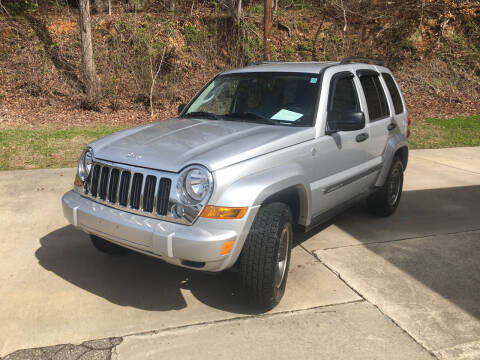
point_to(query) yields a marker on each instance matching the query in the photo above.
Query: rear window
(375, 96)
(394, 93)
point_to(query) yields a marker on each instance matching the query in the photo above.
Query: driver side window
(217, 97)
(344, 99)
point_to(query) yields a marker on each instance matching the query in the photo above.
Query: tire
(265, 258)
(385, 200)
(108, 247)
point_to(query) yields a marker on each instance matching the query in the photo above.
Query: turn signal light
(227, 247)
(77, 181)
(219, 212)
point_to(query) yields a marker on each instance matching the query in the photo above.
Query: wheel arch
(297, 200)
(397, 145)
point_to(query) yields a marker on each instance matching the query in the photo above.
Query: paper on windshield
(286, 115)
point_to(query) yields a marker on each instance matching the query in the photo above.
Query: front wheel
(265, 258)
(385, 200)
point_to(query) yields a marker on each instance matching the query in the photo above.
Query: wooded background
(141, 58)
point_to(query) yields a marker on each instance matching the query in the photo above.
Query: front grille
(135, 191)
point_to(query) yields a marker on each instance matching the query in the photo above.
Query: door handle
(361, 137)
(391, 126)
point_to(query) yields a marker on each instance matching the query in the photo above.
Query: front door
(343, 156)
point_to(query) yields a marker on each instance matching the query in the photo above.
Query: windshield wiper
(202, 114)
(251, 117)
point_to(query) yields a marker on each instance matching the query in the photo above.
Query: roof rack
(266, 62)
(356, 59)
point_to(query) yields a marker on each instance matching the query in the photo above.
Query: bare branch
(4, 9)
(154, 77)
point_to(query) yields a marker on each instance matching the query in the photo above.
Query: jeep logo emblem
(134, 156)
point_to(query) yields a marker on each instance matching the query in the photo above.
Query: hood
(172, 144)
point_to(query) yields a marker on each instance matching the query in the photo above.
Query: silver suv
(259, 152)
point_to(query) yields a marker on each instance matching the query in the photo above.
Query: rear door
(397, 104)
(377, 111)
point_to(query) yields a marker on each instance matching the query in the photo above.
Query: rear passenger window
(375, 96)
(344, 100)
(394, 93)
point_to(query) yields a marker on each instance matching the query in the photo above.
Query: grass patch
(436, 133)
(49, 148)
(46, 148)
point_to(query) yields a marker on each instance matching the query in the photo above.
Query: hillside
(434, 50)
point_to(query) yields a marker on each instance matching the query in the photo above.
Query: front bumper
(195, 246)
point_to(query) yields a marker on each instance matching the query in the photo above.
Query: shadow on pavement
(135, 280)
(448, 265)
(148, 283)
(420, 213)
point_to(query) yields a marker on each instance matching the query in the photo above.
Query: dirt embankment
(435, 54)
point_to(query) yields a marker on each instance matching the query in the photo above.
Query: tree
(99, 5)
(88, 64)
(171, 5)
(235, 8)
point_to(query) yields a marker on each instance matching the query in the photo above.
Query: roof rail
(355, 59)
(266, 62)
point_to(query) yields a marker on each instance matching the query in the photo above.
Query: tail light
(409, 121)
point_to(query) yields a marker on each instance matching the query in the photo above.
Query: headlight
(194, 184)
(85, 164)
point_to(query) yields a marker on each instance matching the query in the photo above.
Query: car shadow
(135, 280)
(147, 283)
(443, 244)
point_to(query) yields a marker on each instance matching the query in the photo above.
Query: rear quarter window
(394, 93)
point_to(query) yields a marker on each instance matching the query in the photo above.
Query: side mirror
(180, 108)
(350, 121)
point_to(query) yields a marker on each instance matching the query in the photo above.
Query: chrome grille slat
(136, 190)
(129, 192)
(155, 197)
(120, 172)
(108, 183)
(142, 191)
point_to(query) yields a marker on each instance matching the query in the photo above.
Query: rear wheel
(108, 247)
(385, 200)
(265, 258)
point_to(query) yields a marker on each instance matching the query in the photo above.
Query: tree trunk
(267, 24)
(171, 5)
(88, 65)
(239, 9)
(100, 5)
(235, 8)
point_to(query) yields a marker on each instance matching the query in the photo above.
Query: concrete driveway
(360, 287)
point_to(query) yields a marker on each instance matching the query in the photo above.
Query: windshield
(271, 98)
